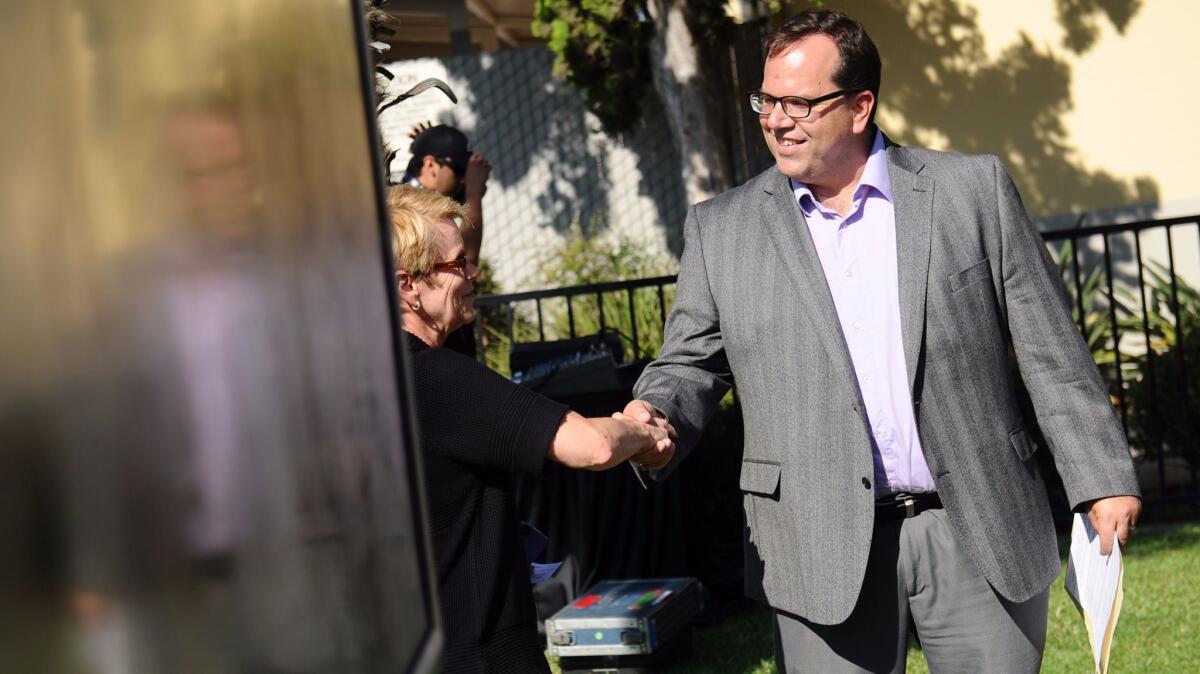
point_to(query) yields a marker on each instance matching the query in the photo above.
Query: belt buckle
(910, 507)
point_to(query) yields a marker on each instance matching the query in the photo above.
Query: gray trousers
(919, 578)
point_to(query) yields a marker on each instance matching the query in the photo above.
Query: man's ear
(864, 103)
(429, 163)
(429, 169)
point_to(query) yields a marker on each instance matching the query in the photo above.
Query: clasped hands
(644, 413)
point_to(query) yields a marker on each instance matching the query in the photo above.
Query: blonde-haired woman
(478, 430)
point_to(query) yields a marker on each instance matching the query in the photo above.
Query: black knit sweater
(478, 430)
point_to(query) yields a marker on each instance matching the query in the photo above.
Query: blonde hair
(412, 212)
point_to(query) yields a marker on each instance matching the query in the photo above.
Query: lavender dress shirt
(858, 254)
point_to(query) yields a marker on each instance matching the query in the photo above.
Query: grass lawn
(1159, 628)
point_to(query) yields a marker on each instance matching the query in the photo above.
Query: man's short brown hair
(859, 67)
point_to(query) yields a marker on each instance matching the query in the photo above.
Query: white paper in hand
(1094, 583)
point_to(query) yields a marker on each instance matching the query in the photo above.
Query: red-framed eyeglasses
(458, 263)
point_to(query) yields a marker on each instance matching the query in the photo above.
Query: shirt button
(866, 483)
(857, 325)
(847, 273)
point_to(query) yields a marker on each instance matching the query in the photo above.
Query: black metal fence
(634, 311)
(1129, 293)
(1141, 318)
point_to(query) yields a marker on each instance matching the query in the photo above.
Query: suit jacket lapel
(788, 230)
(913, 195)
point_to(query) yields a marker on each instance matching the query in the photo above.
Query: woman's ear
(407, 291)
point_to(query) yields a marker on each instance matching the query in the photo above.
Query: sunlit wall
(1088, 103)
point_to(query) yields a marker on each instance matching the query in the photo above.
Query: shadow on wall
(939, 79)
(533, 127)
(658, 164)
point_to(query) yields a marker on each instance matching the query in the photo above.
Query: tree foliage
(601, 47)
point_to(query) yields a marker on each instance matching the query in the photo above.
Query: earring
(416, 306)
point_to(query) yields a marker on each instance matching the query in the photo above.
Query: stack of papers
(1094, 583)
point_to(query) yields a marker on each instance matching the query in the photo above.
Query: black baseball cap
(447, 144)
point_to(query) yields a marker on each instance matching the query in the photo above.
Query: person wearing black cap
(442, 161)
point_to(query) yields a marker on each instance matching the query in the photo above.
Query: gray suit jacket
(753, 306)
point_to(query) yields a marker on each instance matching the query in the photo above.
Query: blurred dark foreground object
(204, 458)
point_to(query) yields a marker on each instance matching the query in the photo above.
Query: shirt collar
(875, 175)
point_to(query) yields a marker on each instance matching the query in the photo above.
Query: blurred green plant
(485, 283)
(583, 260)
(580, 260)
(493, 343)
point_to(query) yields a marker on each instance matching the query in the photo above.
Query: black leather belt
(901, 506)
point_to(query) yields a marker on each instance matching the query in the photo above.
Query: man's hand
(640, 410)
(475, 182)
(1114, 514)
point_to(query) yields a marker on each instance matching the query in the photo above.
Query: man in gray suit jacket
(864, 298)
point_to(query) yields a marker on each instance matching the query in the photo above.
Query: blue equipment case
(626, 625)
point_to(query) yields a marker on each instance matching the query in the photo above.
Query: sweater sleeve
(469, 413)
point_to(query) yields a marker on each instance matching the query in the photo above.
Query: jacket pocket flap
(759, 477)
(979, 271)
(1021, 443)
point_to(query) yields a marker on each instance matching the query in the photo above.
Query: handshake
(637, 434)
(648, 420)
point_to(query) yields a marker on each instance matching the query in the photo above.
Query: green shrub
(1164, 394)
(583, 260)
(579, 260)
(1158, 378)
(1097, 324)
(494, 343)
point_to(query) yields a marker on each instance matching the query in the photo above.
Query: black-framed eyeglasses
(458, 263)
(796, 107)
